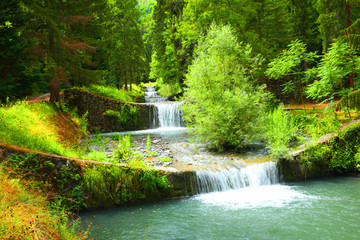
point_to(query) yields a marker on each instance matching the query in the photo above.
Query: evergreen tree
(126, 52)
(12, 45)
(61, 52)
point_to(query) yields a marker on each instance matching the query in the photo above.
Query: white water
(168, 114)
(235, 178)
(151, 95)
(253, 186)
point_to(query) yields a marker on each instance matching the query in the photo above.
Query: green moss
(338, 155)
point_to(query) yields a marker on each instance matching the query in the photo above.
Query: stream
(239, 196)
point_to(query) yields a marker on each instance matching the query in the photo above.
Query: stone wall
(333, 154)
(49, 167)
(97, 106)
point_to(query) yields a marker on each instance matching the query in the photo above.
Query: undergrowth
(288, 130)
(137, 93)
(30, 125)
(25, 212)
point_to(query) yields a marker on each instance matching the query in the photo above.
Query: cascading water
(234, 178)
(151, 95)
(167, 114)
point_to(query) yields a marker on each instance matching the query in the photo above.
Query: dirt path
(38, 98)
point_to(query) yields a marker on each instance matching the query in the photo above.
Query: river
(239, 196)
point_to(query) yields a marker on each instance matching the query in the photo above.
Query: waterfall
(168, 114)
(151, 95)
(165, 113)
(232, 177)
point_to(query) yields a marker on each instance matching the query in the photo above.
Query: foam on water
(253, 197)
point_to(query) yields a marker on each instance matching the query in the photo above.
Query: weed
(25, 213)
(165, 159)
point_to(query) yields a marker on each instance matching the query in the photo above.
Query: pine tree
(61, 53)
(126, 52)
(12, 46)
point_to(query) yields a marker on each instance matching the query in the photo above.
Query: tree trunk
(126, 81)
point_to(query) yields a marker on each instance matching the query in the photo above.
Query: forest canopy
(51, 45)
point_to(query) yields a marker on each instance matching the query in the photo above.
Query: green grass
(30, 125)
(137, 93)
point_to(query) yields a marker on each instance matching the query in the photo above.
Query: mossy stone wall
(65, 174)
(333, 154)
(97, 106)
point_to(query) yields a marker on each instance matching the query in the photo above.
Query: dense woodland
(232, 62)
(51, 45)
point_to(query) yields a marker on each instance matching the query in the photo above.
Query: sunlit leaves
(224, 105)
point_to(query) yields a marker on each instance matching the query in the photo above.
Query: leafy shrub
(281, 132)
(123, 149)
(224, 105)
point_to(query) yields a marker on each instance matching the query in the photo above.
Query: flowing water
(324, 209)
(238, 196)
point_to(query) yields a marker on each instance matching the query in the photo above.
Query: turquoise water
(322, 209)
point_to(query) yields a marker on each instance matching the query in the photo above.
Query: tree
(60, 50)
(12, 45)
(292, 62)
(126, 52)
(340, 61)
(224, 105)
(167, 66)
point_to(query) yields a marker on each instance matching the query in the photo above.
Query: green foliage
(135, 95)
(335, 65)
(113, 182)
(29, 125)
(14, 81)
(166, 159)
(61, 179)
(126, 52)
(290, 62)
(27, 212)
(350, 101)
(123, 150)
(223, 103)
(281, 133)
(148, 143)
(339, 155)
(126, 114)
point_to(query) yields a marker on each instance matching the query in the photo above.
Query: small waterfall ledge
(166, 114)
(233, 178)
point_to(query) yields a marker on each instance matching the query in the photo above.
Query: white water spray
(233, 178)
(169, 114)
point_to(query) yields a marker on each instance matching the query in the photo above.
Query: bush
(281, 132)
(224, 105)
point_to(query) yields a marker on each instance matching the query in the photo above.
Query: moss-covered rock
(334, 154)
(109, 115)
